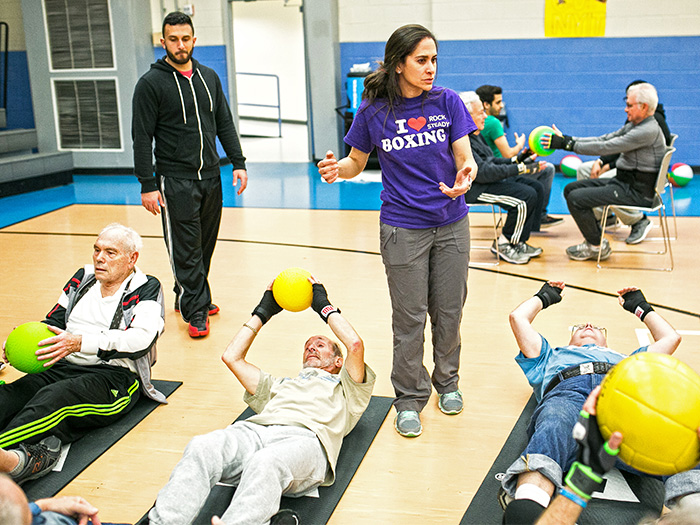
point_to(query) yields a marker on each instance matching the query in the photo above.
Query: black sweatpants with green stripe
(66, 401)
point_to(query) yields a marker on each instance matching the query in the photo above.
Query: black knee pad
(522, 512)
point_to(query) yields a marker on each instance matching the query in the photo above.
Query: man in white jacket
(106, 324)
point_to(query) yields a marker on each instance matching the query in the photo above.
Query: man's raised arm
(521, 318)
(234, 355)
(666, 339)
(355, 361)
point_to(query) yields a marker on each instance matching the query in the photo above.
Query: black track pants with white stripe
(191, 220)
(522, 198)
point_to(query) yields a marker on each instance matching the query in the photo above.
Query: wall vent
(88, 115)
(79, 34)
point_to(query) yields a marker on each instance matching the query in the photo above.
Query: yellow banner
(574, 18)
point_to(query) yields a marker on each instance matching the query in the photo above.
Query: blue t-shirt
(414, 147)
(541, 370)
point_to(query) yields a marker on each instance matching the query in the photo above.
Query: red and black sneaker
(213, 309)
(199, 324)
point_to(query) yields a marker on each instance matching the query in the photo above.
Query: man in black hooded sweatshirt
(181, 104)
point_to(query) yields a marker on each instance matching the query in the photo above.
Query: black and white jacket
(133, 333)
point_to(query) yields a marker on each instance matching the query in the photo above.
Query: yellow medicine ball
(654, 401)
(292, 289)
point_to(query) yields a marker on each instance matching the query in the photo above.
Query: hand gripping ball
(534, 140)
(292, 289)
(654, 401)
(23, 342)
(680, 174)
(569, 165)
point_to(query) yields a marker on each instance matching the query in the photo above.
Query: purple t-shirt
(414, 146)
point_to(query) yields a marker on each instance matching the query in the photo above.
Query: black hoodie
(184, 115)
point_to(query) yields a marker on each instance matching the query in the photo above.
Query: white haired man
(641, 144)
(106, 323)
(504, 182)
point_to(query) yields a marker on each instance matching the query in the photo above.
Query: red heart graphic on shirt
(416, 123)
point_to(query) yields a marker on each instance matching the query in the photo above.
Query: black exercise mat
(91, 446)
(484, 508)
(313, 510)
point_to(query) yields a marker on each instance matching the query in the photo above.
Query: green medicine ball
(23, 342)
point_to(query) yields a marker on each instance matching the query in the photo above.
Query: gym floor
(288, 217)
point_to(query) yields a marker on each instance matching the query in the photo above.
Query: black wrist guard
(562, 142)
(320, 303)
(523, 155)
(525, 168)
(636, 303)
(582, 480)
(267, 307)
(549, 295)
(593, 458)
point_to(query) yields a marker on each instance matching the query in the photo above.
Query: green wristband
(610, 451)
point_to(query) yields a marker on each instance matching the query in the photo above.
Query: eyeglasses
(628, 105)
(578, 327)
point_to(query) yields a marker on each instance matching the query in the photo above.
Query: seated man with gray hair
(641, 145)
(504, 182)
(106, 321)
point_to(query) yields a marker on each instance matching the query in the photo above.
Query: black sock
(522, 512)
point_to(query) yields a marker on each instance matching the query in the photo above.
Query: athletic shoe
(199, 324)
(586, 251)
(451, 403)
(285, 517)
(509, 253)
(530, 251)
(407, 423)
(640, 229)
(39, 459)
(548, 221)
(213, 309)
(611, 221)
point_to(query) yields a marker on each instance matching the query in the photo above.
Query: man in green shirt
(495, 137)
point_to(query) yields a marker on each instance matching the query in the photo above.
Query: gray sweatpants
(427, 274)
(264, 462)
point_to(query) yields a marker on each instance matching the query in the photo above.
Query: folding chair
(494, 237)
(670, 190)
(657, 206)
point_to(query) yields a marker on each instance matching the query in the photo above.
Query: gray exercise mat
(313, 510)
(484, 508)
(91, 446)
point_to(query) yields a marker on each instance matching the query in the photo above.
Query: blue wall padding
(20, 114)
(576, 83)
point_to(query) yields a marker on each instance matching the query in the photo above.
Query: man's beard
(176, 60)
(321, 363)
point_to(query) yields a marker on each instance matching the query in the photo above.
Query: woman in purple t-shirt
(421, 135)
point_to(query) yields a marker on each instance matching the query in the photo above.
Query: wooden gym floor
(430, 479)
